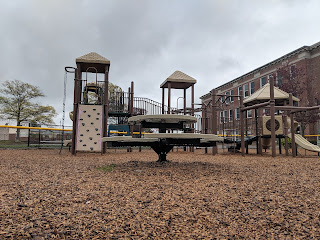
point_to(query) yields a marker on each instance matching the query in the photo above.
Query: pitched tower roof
(263, 94)
(179, 79)
(92, 58)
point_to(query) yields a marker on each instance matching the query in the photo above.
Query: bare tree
(293, 79)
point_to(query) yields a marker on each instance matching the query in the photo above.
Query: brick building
(306, 59)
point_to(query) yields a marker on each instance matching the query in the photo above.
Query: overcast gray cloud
(146, 41)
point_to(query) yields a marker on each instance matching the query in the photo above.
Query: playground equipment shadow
(124, 195)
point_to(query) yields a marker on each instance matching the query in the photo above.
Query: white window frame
(244, 90)
(261, 81)
(225, 115)
(248, 113)
(221, 117)
(239, 91)
(237, 111)
(230, 115)
(231, 98)
(227, 99)
(250, 87)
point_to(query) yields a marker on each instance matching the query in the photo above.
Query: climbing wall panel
(89, 132)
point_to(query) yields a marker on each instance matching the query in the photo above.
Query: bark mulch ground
(120, 195)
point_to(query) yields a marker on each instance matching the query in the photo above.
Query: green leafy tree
(16, 101)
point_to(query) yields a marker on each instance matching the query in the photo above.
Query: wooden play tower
(90, 120)
(179, 80)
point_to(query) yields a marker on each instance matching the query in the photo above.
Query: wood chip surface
(120, 195)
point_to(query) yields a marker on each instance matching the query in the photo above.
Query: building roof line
(286, 56)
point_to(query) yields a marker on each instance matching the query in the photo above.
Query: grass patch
(108, 168)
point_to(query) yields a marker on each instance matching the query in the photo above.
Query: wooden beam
(214, 118)
(242, 126)
(272, 119)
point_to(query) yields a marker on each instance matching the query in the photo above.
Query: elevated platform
(163, 121)
(162, 143)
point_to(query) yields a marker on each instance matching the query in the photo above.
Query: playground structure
(94, 105)
(281, 108)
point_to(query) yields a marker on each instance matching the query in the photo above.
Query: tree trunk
(18, 133)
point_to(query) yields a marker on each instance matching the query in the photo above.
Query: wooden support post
(76, 93)
(132, 97)
(105, 107)
(279, 140)
(293, 130)
(257, 132)
(129, 101)
(260, 129)
(140, 134)
(184, 101)
(204, 125)
(169, 97)
(272, 119)
(214, 117)
(242, 125)
(234, 130)
(192, 99)
(285, 120)
(163, 100)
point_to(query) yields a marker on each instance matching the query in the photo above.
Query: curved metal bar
(67, 69)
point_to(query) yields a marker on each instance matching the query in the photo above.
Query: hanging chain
(64, 107)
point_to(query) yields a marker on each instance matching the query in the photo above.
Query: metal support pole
(29, 135)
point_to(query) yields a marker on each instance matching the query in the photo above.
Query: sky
(213, 41)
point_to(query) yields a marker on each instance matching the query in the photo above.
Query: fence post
(29, 135)
(39, 138)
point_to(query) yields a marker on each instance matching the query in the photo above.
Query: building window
(225, 115)
(293, 71)
(222, 99)
(231, 97)
(221, 117)
(246, 90)
(251, 88)
(279, 79)
(227, 99)
(237, 113)
(230, 115)
(263, 81)
(249, 113)
(240, 91)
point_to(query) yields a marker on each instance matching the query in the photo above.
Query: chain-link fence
(34, 136)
